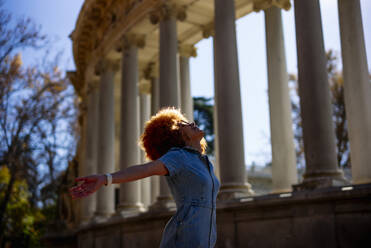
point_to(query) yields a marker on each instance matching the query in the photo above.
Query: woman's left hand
(90, 184)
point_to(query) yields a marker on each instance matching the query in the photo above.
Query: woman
(176, 148)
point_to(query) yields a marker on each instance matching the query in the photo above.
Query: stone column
(155, 95)
(117, 90)
(77, 208)
(207, 32)
(169, 65)
(284, 173)
(315, 103)
(228, 104)
(357, 89)
(88, 204)
(216, 142)
(129, 151)
(106, 137)
(145, 115)
(186, 51)
(169, 87)
(169, 81)
(155, 107)
(152, 88)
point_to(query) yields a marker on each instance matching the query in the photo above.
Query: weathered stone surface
(328, 217)
(106, 237)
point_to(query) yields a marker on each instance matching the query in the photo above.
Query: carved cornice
(77, 84)
(187, 51)
(99, 20)
(102, 24)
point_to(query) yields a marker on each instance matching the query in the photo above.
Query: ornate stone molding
(167, 10)
(75, 80)
(208, 30)
(102, 23)
(97, 21)
(187, 51)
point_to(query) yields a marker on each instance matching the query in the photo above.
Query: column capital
(83, 106)
(208, 30)
(91, 82)
(145, 87)
(283, 4)
(91, 86)
(259, 5)
(106, 64)
(133, 39)
(186, 50)
(150, 71)
(167, 10)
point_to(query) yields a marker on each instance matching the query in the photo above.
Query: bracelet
(109, 179)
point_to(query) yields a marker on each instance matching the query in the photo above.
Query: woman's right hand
(90, 184)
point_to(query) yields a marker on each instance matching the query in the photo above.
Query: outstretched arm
(91, 184)
(139, 171)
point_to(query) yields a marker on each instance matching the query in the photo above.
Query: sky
(58, 19)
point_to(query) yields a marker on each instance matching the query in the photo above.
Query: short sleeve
(173, 161)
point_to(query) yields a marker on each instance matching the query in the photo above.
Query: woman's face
(190, 131)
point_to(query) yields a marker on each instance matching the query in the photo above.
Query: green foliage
(22, 220)
(203, 116)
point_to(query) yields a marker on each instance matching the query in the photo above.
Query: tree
(20, 215)
(37, 116)
(203, 116)
(336, 84)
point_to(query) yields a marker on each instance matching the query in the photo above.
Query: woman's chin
(198, 135)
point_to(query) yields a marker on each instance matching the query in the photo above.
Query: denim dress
(194, 187)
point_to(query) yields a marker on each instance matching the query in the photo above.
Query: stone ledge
(318, 195)
(329, 217)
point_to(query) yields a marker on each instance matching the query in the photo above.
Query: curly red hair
(161, 133)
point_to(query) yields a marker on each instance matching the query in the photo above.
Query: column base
(101, 217)
(283, 190)
(362, 181)
(86, 222)
(163, 204)
(234, 191)
(128, 210)
(319, 180)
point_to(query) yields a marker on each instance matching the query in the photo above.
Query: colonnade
(169, 85)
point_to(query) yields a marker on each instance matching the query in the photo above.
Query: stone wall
(331, 217)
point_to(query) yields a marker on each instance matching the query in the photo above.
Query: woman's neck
(195, 145)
